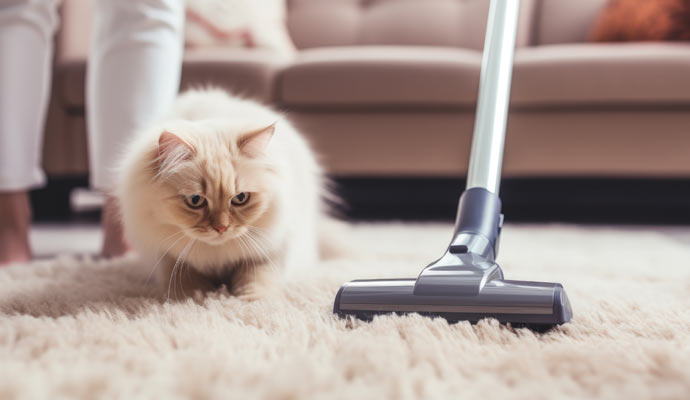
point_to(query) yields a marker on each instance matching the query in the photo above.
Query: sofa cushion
(455, 23)
(246, 72)
(597, 74)
(249, 73)
(381, 76)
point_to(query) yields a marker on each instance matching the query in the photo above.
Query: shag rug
(75, 327)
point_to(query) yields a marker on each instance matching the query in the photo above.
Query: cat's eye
(195, 201)
(240, 198)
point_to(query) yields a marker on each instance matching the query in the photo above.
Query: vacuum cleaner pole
(466, 284)
(494, 93)
(479, 217)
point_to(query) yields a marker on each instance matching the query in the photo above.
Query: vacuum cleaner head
(536, 305)
(465, 284)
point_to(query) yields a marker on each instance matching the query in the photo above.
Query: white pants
(133, 77)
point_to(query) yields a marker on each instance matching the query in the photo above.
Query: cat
(223, 190)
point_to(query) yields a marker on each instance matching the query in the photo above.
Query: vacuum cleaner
(466, 284)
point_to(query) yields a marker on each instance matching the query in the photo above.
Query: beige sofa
(387, 88)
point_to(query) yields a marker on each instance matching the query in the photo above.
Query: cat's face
(215, 185)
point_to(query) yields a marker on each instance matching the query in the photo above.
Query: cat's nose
(221, 228)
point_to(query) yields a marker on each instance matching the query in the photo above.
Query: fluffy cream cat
(222, 191)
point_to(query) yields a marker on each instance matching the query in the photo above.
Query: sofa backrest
(565, 21)
(457, 23)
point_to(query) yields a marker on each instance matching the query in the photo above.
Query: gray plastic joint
(478, 223)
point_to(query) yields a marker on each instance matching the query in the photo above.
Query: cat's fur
(216, 145)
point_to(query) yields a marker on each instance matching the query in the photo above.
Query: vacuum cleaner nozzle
(536, 305)
(465, 284)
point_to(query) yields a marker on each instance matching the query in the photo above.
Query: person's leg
(133, 77)
(15, 219)
(26, 38)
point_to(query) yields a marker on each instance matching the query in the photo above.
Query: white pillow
(238, 23)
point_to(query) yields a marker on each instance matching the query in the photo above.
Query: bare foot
(114, 242)
(15, 220)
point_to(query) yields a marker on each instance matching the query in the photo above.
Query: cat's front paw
(251, 292)
(181, 285)
(255, 284)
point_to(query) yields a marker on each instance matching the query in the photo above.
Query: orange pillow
(642, 20)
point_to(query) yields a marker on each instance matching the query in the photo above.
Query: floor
(122, 338)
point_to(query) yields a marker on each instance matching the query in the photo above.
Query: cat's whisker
(185, 266)
(174, 269)
(245, 257)
(262, 233)
(262, 241)
(259, 249)
(169, 237)
(153, 269)
(250, 251)
(243, 248)
(190, 251)
(262, 252)
(256, 237)
(179, 277)
(172, 274)
(178, 281)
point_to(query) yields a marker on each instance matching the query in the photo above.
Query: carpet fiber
(82, 328)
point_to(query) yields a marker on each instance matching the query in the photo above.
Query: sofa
(387, 88)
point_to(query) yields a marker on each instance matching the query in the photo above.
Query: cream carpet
(80, 328)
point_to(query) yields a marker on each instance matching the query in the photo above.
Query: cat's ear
(170, 144)
(254, 144)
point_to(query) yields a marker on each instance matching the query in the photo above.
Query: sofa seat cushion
(602, 74)
(246, 72)
(360, 76)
